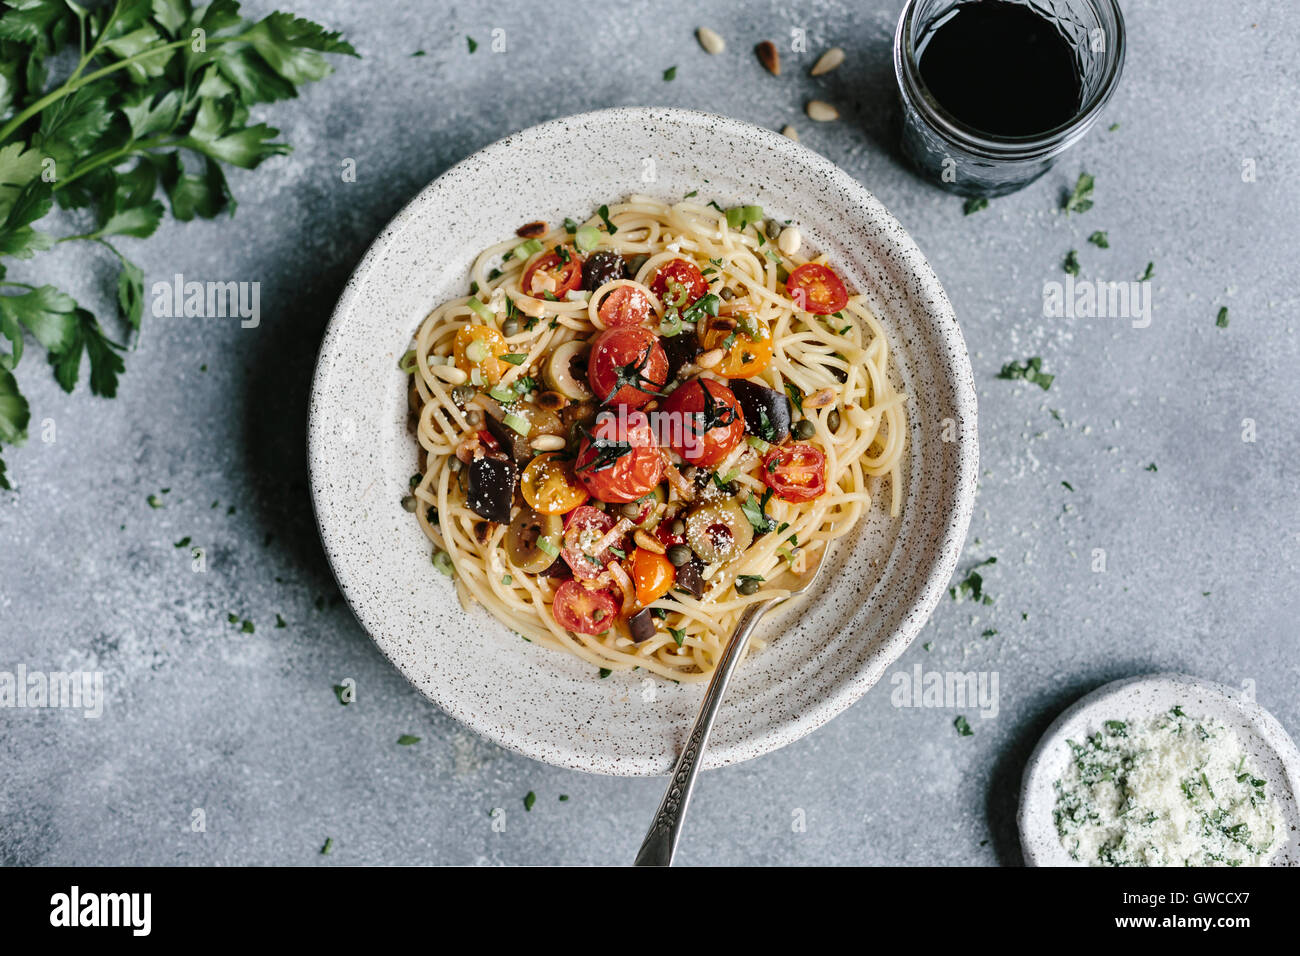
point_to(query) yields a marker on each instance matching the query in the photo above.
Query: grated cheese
(1169, 791)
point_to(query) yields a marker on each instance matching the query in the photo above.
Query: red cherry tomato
(584, 527)
(705, 427)
(627, 366)
(585, 610)
(552, 272)
(685, 278)
(625, 306)
(795, 472)
(815, 288)
(623, 462)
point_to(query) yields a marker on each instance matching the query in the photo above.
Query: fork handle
(661, 840)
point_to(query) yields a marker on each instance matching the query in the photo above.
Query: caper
(461, 394)
(746, 585)
(455, 464)
(474, 418)
(679, 527)
(833, 420)
(774, 229)
(804, 429)
(631, 509)
(727, 294)
(635, 263)
(679, 554)
(409, 503)
(510, 327)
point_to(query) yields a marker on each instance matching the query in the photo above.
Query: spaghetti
(637, 425)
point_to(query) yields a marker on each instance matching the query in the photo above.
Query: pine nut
(820, 398)
(710, 358)
(547, 443)
(769, 57)
(828, 61)
(644, 540)
(790, 132)
(821, 111)
(711, 42)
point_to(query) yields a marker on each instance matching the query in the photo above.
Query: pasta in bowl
(880, 579)
(635, 425)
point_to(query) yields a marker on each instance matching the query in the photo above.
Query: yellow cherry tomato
(479, 348)
(747, 342)
(653, 574)
(549, 485)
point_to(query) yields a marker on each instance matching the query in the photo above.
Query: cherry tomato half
(625, 306)
(582, 529)
(585, 610)
(747, 342)
(679, 282)
(549, 485)
(653, 574)
(623, 462)
(706, 425)
(815, 288)
(626, 366)
(795, 472)
(557, 272)
(478, 348)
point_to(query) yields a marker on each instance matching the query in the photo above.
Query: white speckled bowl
(1137, 698)
(828, 650)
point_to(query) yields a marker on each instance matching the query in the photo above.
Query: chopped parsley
(471, 43)
(1100, 239)
(407, 739)
(963, 726)
(1071, 264)
(1222, 320)
(1080, 200)
(670, 74)
(1151, 270)
(603, 213)
(974, 204)
(1030, 370)
(972, 587)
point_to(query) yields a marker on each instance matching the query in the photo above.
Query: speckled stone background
(1200, 552)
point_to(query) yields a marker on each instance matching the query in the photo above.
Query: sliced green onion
(477, 305)
(544, 544)
(526, 249)
(442, 561)
(755, 442)
(507, 580)
(738, 217)
(586, 238)
(406, 364)
(671, 324)
(515, 358)
(501, 393)
(518, 423)
(477, 351)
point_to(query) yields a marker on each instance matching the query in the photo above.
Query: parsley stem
(72, 85)
(113, 155)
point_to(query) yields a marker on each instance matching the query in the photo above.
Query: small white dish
(1137, 698)
(885, 578)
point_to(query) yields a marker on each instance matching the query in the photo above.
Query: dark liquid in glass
(1001, 68)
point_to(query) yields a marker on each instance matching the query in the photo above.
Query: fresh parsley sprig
(157, 95)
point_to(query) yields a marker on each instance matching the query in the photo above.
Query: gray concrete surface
(1200, 554)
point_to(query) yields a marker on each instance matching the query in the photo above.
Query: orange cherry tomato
(815, 288)
(653, 574)
(747, 342)
(549, 485)
(479, 348)
(626, 305)
(556, 272)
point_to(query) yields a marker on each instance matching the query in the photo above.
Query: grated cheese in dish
(1168, 791)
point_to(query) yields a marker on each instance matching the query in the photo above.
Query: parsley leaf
(1080, 200)
(1030, 370)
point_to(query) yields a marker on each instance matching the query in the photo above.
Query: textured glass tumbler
(971, 162)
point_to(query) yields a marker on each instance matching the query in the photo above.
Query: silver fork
(661, 839)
